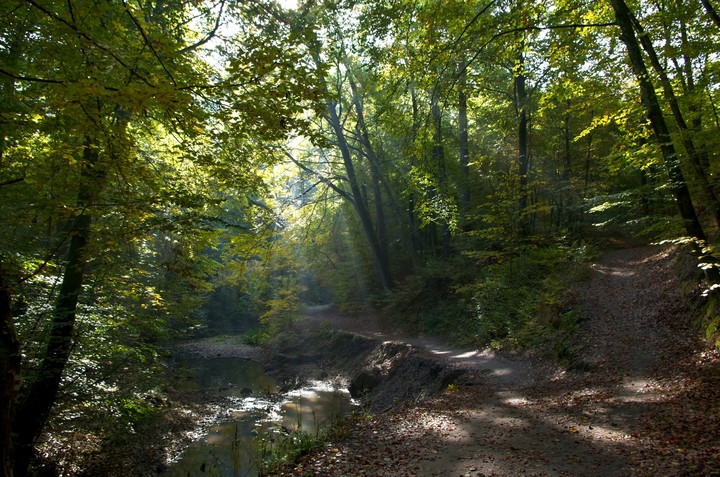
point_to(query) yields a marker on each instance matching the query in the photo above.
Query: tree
(41, 393)
(356, 197)
(693, 155)
(623, 16)
(90, 83)
(463, 144)
(96, 94)
(10, 372)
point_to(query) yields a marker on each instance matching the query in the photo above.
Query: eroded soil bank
(643, 398)
(323, 348)
(380, 369)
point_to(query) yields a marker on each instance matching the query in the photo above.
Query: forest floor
(643, 398)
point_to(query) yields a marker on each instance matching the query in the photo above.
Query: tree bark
(685, 134)
(678, 185)
(9, 375)
(464, 146)
(439, 157)
(521, 99)
(37, 401)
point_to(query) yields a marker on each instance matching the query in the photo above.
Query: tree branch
(711, 11)
(12, 181)
(29, 78)
(322, 179)
(209, 36)
(148, 42)
(82, 34)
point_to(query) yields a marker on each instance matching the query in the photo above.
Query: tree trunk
(678, 185)
(685, 134)
(523, 157)
(416, 242)
(644, 200)
(10, 355)
(588, 157)
(691, 91)
(9, 375)
(378, 178)
(567, 196)
(439, 157)
(567, 149)
(464, 147)
(37, 401)
(381, 264)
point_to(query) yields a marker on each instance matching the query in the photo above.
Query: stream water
(258, 418)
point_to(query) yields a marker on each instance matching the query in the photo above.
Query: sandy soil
(645, 402)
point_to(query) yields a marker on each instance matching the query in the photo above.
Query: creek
(257, 419)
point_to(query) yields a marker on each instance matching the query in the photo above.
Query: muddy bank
(381, 374)
(645, 405)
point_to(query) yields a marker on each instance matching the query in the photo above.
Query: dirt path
(646, 402)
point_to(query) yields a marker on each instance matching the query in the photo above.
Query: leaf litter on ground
(645, 403)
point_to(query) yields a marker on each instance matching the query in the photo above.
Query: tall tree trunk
(382, 235)
(355, 197)
(37, 401)
(464, 146)
(565, 175)
(690, 86)
(379, 180)
(678, 185)
(381, 264)
(644, 200)
(567, 150)
(693, 155)
(439, 157)
(10, 355)
(415, 237)
(588, 156)
(521, 100)
(9, 375)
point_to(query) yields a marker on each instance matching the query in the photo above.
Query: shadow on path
(522, 418)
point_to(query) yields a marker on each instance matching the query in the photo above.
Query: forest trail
(643, 401)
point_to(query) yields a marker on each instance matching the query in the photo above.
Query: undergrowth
(514, 300)
(279, 447)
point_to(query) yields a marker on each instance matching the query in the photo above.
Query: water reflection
(225, 376)
(230, 448)
(227, 450)
(312, 408)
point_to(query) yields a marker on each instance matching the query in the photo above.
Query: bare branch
(12, 181)
(209, 36)
(321, 178)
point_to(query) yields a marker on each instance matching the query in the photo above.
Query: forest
(181, 168)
